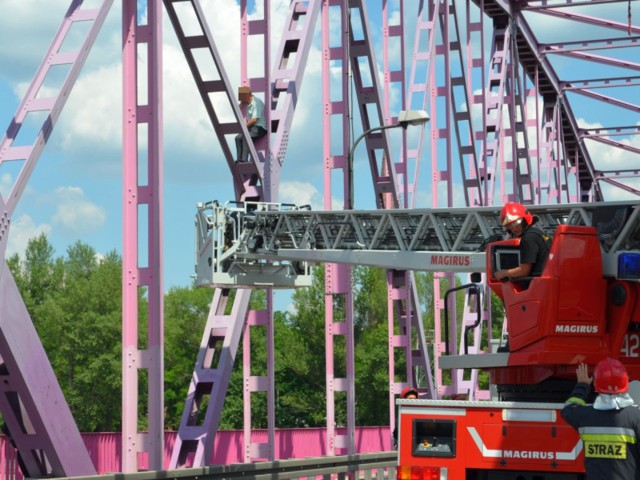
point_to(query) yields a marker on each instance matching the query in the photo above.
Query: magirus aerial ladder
(421, 239)
(604, 238)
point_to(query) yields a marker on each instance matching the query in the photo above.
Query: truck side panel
(459, 437)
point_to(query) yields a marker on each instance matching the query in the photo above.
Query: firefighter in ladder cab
(534, 242)
(610, 428)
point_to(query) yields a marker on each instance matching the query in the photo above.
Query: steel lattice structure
(512, 113)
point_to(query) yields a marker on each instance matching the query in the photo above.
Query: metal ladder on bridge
(32, 403)
(226, 319)
(247, 178)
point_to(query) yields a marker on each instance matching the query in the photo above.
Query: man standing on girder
(253, 110)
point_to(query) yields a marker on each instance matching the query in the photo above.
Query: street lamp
(405, 118)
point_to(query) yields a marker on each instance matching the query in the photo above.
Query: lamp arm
(350, 157)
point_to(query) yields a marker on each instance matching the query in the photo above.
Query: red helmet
(610, 376)
(512, 212)
(408, 390)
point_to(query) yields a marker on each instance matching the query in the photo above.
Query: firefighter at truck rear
(534, 242)
(610, 428)
(408, 393)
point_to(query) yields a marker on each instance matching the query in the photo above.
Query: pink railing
(104, 448)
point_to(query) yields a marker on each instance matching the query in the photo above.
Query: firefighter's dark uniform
(610, 437)
(534, 249)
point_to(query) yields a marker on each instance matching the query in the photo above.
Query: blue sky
(75, 190)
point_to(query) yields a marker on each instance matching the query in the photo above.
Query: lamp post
(405, 118)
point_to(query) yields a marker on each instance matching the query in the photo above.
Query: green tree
(75, 304)
(300, 346)
(371, 348)
(87, 315)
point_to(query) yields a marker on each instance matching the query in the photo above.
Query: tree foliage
(75, 303)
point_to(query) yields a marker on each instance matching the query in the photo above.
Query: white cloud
(301, 193)
(22, 230)
(89, 131)
(304, 193)
(28, 45)
(75, 213)
(606, 157)
(94, 119)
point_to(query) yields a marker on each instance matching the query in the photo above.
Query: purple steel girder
(248, 177)
(335, 57)
(418, 94)
(32, 404)
(288, 74)
(193, 440)
(601, 37)
(142, 212)
(547, 160)
(259, 27)
(404, 315)
(366, 83)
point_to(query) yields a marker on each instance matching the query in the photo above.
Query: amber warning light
(420, 473)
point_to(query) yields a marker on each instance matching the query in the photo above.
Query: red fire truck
(582, 309)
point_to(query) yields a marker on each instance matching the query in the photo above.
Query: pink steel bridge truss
(517, 113)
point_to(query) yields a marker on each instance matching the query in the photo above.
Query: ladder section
(38, 99)
(493, 109)
(142, 245)
(336, 139)
(201, 54)
(433, 230)
(394, 80)
(288, 72)
(32, 404)
(404, 316)
(369, 97)
(521, 155)
(426, 234)
(459, 101)
(205, 398)
(255, 30)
